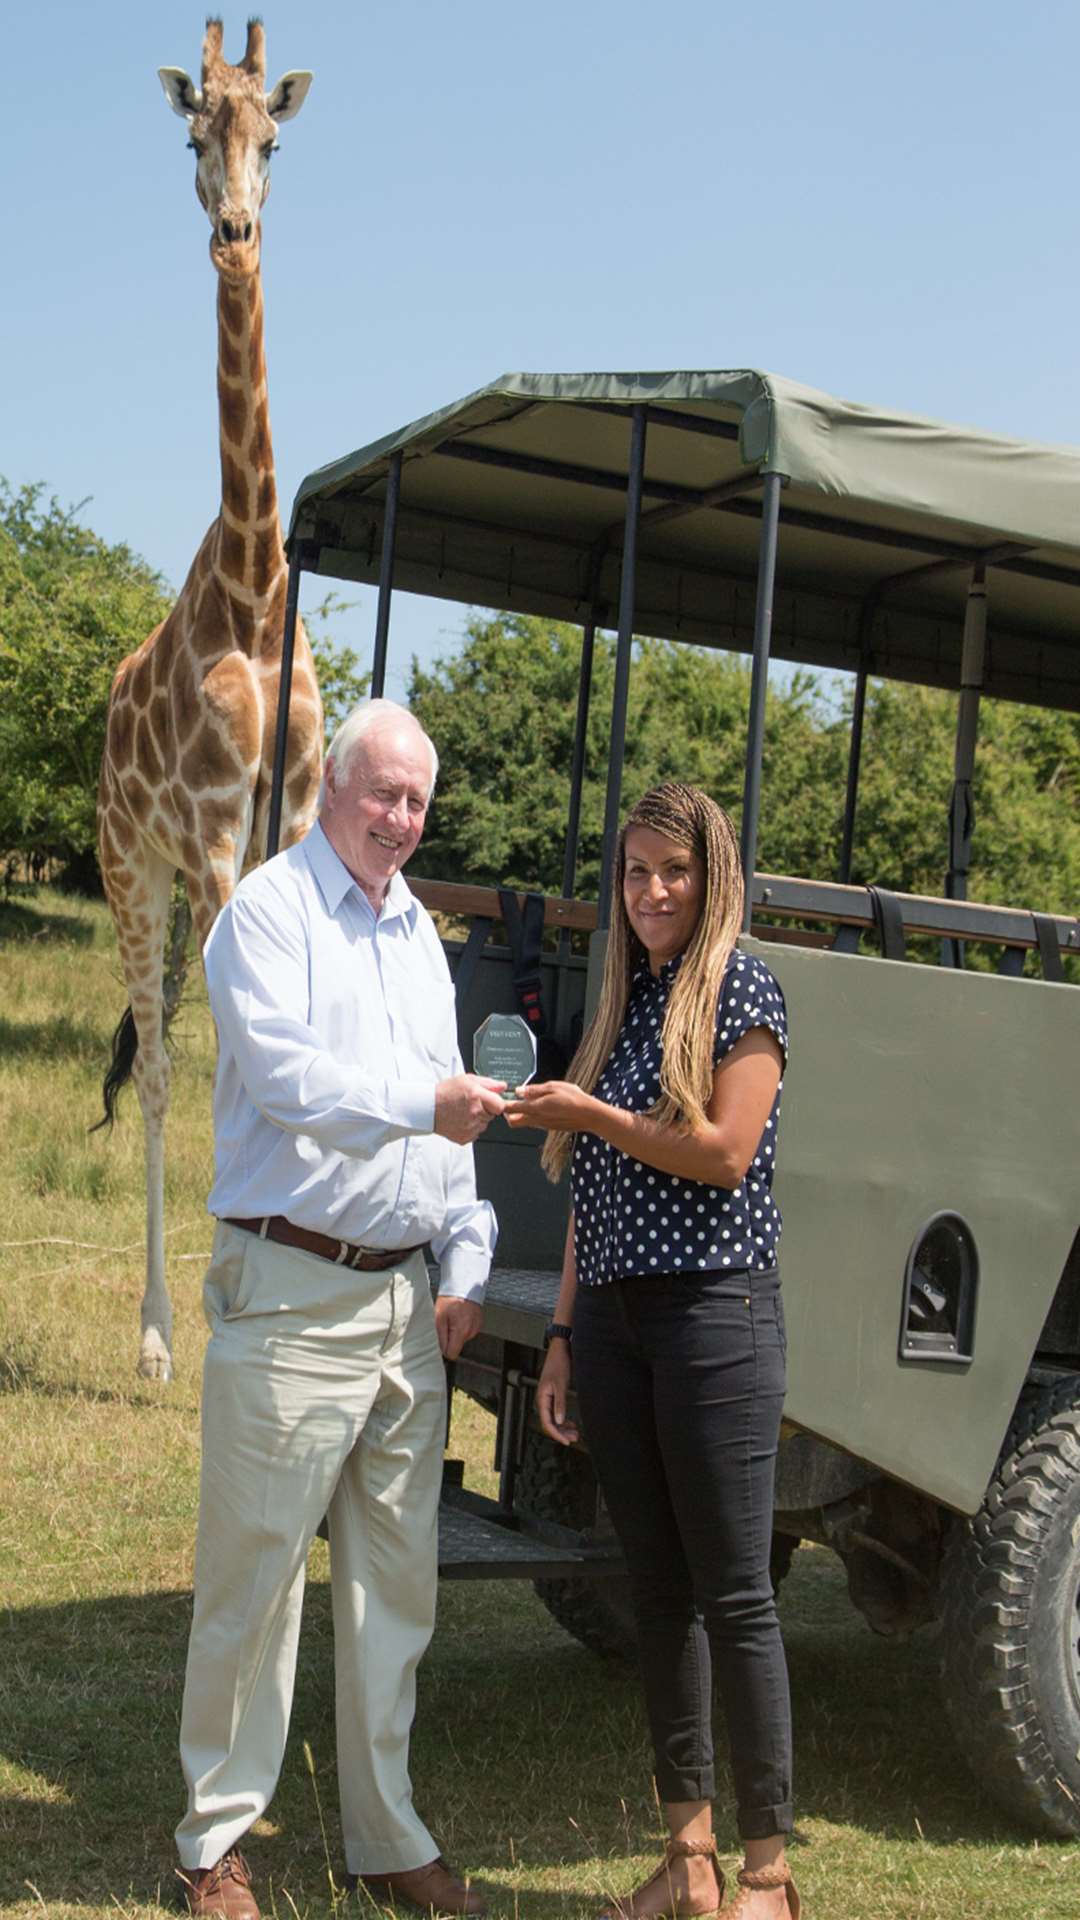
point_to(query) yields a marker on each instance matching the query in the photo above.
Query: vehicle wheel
(557, 1483)
(1011, 1619)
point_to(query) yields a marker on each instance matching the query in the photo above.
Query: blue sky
(879, 201)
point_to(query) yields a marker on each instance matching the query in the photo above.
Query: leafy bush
(71, 607)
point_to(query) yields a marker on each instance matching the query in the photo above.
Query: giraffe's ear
(288, 96)
(181, 92)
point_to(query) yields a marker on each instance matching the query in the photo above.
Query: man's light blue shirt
(334, 1026)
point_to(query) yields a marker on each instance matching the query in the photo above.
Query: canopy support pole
(577, 765)
(1000, 555)
(858, 712)
(573, 820)
(961, 805)
(386, 575)
(763, 612)
(620, 695)
(281, 736)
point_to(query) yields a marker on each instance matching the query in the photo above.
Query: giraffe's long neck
(249, 556)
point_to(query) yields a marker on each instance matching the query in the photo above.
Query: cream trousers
(323, 1393)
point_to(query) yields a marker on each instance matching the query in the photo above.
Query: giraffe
(185, 777)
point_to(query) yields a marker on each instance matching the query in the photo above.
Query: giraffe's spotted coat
(189, 741)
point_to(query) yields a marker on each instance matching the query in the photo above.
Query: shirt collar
(335, 882)
(657, 982)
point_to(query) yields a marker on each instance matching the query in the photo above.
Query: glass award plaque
(504, 1048)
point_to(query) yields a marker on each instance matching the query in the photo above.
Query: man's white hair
(367, 717)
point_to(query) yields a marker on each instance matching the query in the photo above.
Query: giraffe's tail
(125, 1045)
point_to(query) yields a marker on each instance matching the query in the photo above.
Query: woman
(670, 1308)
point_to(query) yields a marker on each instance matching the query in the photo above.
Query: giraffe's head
(233, 123)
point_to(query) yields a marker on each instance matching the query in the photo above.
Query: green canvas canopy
(513, 499)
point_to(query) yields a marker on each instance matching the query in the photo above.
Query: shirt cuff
(463, 1274)
(413, 1105)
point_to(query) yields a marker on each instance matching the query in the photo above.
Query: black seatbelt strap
(889, 922)
(525, 934)
(470, 954)
(1046, 934)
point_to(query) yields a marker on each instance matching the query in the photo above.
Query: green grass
(529, 1757)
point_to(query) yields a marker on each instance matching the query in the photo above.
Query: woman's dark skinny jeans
(680, 1382)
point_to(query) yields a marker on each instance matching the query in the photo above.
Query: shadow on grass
(58, 1039)
(21, 1372)
(26, 1368)
(19, 922)
(511, 1771)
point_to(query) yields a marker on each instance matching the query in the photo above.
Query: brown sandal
(760, 1881)
(634, 1908)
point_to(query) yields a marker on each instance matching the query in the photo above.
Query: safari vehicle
(929, 1162)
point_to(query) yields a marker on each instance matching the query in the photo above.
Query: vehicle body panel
(913, 1090)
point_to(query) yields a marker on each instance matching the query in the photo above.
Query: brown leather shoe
(657, 1898)
(224, 1889)
(431, 1889)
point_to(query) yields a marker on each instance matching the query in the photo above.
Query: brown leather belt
(362, 1259)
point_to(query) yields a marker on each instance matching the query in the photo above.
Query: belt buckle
(356, 1257)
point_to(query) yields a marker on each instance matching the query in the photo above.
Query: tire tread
(988, 1580)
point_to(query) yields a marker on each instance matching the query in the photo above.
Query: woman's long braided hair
(687, 816)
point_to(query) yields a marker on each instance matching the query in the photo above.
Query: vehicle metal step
(476, 1544)
(519, 1303)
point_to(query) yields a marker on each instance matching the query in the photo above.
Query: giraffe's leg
(155, 1346)
(141, 913)
(215, 882)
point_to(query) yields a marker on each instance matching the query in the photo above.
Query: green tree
(502, 715)
(71, 607)
(1026, 793)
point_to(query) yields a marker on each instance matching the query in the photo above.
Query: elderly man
(342, 1122)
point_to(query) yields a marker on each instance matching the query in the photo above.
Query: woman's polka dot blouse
(630, 1218)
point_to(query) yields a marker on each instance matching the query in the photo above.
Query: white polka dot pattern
(630, 1218)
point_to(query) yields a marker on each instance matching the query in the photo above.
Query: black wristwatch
(557, 1330)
